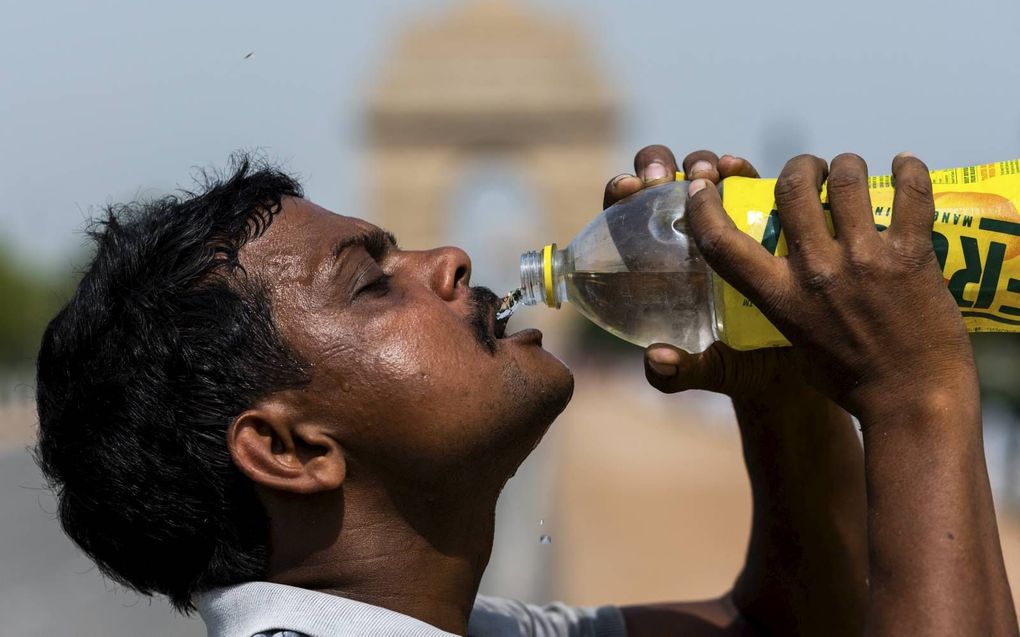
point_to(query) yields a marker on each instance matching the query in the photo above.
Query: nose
(451, 272)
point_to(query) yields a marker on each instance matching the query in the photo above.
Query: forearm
(806, 568)
(936, 561)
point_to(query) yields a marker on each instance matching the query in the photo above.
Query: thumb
(719, 368)
(672, 370)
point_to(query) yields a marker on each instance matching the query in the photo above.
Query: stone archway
(487, 78)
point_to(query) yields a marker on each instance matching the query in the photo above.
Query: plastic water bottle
(634, 271)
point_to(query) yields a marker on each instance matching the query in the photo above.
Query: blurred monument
(489, 127)
(490, 79)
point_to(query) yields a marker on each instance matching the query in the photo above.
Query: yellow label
(976, 237)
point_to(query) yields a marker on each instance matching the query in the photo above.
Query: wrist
(928, 409)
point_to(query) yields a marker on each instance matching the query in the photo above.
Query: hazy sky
(102, 101)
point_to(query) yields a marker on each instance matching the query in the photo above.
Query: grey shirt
(264, 609)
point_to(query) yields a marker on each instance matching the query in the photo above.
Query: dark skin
(807, 563)
(895, 354)
(380, 479)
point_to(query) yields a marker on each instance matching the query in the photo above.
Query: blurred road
(47, 587)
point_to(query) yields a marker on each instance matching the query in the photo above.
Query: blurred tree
(998, 359)
(29, 298)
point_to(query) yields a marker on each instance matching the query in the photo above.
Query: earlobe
(274, 447)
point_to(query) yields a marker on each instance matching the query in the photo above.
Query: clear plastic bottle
(634, 271)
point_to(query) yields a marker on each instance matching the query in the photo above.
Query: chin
(551, 386)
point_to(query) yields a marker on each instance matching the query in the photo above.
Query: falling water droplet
(545, 539)
(541, 522)
(509, 304)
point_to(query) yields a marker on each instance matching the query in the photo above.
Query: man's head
(242, 346)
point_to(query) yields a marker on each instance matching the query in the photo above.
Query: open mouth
(490, 315)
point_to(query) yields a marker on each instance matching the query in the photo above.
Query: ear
(276, 447)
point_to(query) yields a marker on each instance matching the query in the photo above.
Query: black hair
(166, 340)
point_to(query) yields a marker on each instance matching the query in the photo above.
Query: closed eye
(378, 286)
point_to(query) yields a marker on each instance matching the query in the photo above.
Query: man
(271, 412)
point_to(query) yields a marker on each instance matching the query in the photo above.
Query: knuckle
(770, 297)
(913, 253)
(819, 282)
(790, 186)
(861, 258)
(841, 183)
(917, 191)
(819, 275)
(714, 244)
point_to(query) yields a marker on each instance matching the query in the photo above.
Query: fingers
(730, 166)
(850, 201)
(619, 187)
(738, 258)
(702, 164)
(799, 205)
(655, 164)
(913, 204)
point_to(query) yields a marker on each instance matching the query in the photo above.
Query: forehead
(302, 232)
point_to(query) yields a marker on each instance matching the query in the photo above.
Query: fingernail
(696, 186)
(653, 171)
(699, 168)
(663, 370)
(905, 155)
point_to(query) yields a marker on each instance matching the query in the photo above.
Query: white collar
(246, 609)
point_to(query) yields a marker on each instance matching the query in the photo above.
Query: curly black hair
(166, 340)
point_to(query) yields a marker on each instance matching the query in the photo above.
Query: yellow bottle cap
(547, 271)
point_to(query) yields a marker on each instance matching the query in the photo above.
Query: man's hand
(719, 368)
(806, 566)
(861, 306)
(872, 322)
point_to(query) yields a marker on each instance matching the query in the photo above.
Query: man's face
(405, 364)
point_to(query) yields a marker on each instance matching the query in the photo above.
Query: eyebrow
(375, 242)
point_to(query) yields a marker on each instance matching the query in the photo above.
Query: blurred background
(493, 125)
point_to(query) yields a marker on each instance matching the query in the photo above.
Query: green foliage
(998, 359)
(28, 300)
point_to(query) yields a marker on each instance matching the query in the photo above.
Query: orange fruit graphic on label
(976, 205)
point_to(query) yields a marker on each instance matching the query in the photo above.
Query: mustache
(482, 302)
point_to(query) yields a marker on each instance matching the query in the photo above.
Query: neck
(412, 554)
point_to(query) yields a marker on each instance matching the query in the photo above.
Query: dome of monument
(489, 57)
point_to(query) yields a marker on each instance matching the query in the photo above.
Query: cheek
(425, 354)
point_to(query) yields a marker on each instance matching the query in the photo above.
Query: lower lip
(529, 335)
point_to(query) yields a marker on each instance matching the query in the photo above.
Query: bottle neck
(539, 270)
